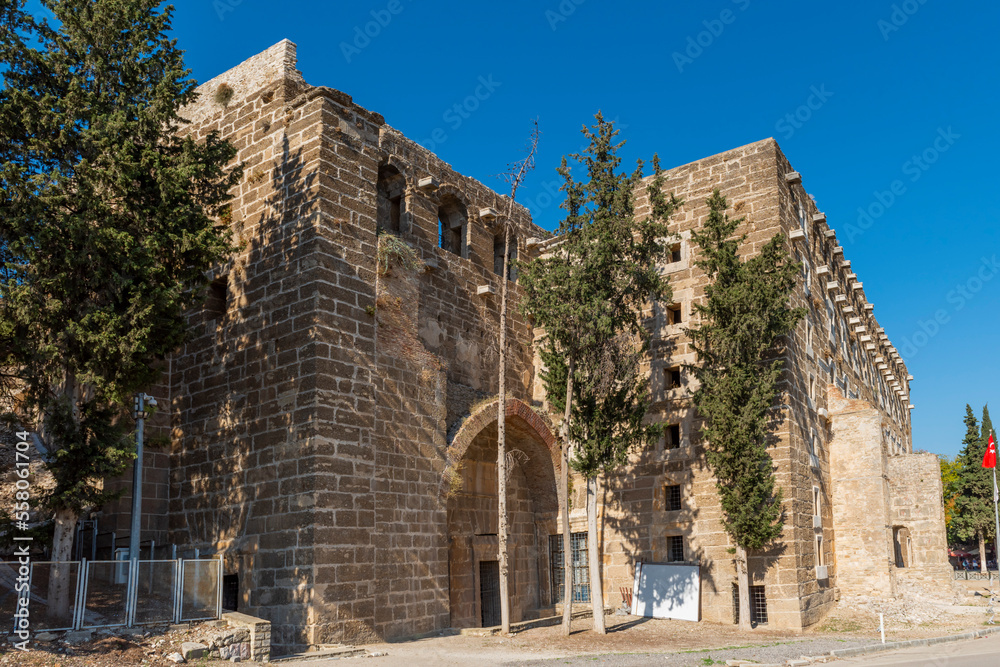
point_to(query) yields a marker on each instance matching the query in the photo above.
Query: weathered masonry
(332, 422)
(863, 514)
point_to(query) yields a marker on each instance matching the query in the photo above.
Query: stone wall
(310, 409)
(861, 499)
(915, 482)
(326, 405)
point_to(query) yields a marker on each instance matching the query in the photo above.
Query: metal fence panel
(95, 594)
(8, 595)
(106, 594)
(201, 589)
(155, 591)
(45, 579)
(54, 595)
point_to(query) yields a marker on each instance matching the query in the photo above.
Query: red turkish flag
(990, 458)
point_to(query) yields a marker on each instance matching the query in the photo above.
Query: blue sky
(904, 96)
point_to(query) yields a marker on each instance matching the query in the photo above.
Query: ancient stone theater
(331, 429)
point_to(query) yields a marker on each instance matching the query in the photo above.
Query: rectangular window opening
(673, 378)
(673, 497)
(675, 253)
(231, 592)
(674, 314)
(581, 572)
(672, 436)
(758, 605)
(675, 549)
(217, 299)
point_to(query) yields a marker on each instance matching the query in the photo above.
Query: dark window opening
(675, 549)
(673, 498)
(452, 226)
(581, 573)
(390, 189)
(231, 592)
(673, 436)
(674, 314)
(758, 605)
(675, 253)
(489, 592)
(673, 378)
(498, 244)
(217, 299)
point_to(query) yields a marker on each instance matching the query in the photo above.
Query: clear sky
(865, 97)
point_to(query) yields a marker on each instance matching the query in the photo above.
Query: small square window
(674, 314)
(672, 377)
(675, 549)
(673, 436)
(675, 253)
(673, 493)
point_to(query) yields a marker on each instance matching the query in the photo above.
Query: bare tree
(514, 176)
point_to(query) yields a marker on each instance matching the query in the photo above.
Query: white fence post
(218, 582)
(81, 605)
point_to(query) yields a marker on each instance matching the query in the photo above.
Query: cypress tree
(588, 295)
(105, 227)
(973, 516)
(743, 316)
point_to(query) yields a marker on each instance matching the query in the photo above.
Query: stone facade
(332, 420)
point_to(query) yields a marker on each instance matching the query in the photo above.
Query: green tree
(973, 517)
(950, 471)
(105, 227)
(744, 314)
(588, 295)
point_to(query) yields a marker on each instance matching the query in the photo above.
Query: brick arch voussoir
(448, 189)
(487, 415)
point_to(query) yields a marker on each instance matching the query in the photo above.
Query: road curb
(911, 643)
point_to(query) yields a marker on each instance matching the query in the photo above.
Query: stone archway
(470, 490)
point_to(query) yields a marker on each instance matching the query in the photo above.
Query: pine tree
(744, 315)
(105, 234)
(588, 295)
(974, 517)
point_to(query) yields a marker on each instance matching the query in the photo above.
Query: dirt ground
(854, 623)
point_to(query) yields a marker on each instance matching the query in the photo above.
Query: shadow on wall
(243, 390)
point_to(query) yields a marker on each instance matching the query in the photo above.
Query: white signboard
(667, 590)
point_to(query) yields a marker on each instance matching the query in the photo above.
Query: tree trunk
(61, 573)
(982, 551)
(564, 492)
(594, 549)
(743, 580)
(502, 528)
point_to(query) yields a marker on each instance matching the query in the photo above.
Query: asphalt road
(969, 653)
(972, 653)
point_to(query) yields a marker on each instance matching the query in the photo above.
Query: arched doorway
(532, 503)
